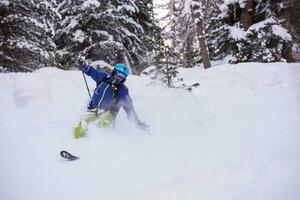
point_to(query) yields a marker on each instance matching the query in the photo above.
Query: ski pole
(87, 87)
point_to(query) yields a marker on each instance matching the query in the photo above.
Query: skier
(109, 96)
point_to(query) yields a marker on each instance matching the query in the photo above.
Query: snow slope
(234, 137)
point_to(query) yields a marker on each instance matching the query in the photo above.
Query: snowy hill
(234, 137)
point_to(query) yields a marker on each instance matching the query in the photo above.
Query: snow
(22, 43)
(237, 33)
(73, 23)
(256, 27)
(79, 36)
(129, 8)
(241, 2)
(159, 12)
(29, 20)
(105, 34)
(131, 21)
(277, 29)
(186, 10)
(281, 32)
(101, 63)
(90, 3)
(236, 136)
(4, 2)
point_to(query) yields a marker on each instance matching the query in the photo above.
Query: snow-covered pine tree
(217, 33)
(171, 19)
(132, 34)
(270, 40)
(145, 17)
(109, 31)
(189, 30)
(226, 35)
(81, 32)
(26, 34)
(168, 50)
(159, 50)
(170, 26)
(169, 70)
(188, 45)
(251, 30)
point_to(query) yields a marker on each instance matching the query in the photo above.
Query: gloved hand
(79, 63)
(143, 126)
(91, 106)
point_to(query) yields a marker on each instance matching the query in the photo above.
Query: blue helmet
(121, 70)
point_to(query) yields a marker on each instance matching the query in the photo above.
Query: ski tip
(68, 156)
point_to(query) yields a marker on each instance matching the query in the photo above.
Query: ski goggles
(121, 74)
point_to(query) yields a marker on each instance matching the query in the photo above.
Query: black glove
(80, 63)
(143, 126)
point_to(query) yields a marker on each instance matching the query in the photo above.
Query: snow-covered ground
(236, 137)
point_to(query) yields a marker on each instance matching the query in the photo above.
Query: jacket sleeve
(96, 75)
(127, 105)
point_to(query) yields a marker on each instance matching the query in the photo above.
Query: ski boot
(81, 129)
(106, 119)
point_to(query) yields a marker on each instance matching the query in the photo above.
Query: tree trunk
(202, 44)
(292, 17)
(287, 53)
(188, 53)
(247, 15)
(168, 69)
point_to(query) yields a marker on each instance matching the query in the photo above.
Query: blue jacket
(104, 97)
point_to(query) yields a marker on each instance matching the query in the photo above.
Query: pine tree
(169, 70)
(217, 37)
(86, 30)
(145, 17)
(178, 32)
(159, 50)
(152, 32)
(27, 29)
(168, 50)
(170, 29)
(112, 31)
(252, 31)
(193, 18)
(186, 35)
